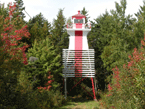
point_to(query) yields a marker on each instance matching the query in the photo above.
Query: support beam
(95, 84)
(93, 88)
(78, 83)
(65, 90)
(83, 88)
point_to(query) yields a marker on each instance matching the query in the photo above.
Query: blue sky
(49, 8)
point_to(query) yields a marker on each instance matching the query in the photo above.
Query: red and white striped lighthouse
(78, 33)
(78, 59)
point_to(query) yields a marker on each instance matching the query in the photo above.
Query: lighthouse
(78, 32)
(78, 59)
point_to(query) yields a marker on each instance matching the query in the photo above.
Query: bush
(46, 99)
(40, 98)
(127, 87)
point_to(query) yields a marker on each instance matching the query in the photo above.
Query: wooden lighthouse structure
(78, 59)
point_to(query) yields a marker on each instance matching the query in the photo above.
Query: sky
(50, 8)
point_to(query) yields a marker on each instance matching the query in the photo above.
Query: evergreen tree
(47, 62)
(97, 40)
(69, 22)
(59, 38)
(85, 13)
(3, 11)
(112, 38)
(38, 27)
(139, 25)
(116, 52)
(20, 8)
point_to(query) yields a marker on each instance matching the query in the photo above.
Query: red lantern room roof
(78, 16)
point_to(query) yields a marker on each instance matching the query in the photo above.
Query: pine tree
(97, 40)
(69, 22)
(47, 62)
(20, 8)
(85, 13)
(139, 25)
(38, 27)
(121, 41)
(58, 31)
(59, 36)
(3, 11)
(59, 39)
(112, 38)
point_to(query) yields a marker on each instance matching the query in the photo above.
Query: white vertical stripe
(85, 41)
(71, 40)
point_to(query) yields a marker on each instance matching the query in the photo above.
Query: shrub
(126, 89)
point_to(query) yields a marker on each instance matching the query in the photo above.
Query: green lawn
(81, 103)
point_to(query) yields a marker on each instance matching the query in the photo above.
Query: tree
(85, 13)
(116, 52)
(127, 85)
(69, 22)
(39, 28)
(139, 25)
(20, 8)
(12, 59)
(112, 37)
(59, 36)
(3, 11)
(47, 62)
(59, 39)
(98, 38)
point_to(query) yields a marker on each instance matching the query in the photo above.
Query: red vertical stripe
(78, 55)
(78, 25)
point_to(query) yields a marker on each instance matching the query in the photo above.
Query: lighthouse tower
(78, 59)
(78, 33)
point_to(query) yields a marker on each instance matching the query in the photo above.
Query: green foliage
(48, 62)
(10, 64)
(46, 100)
(35, 98)
(3, 11)
(85, 13)
(59, 39)
(121, 42)
(98, 38)
(126, 89)
(69, 21)
(113, 36)
(19, 9)
(59, 36)
(9, 70)
(39, 28)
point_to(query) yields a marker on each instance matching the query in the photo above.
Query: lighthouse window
(78, 21)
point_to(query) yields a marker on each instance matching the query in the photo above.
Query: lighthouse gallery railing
(83, 25)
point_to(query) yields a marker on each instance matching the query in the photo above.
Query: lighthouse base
(78, 83)
(79, 63)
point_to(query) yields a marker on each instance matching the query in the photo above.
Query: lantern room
(78, 22)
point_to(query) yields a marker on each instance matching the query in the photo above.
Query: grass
(80, 103)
